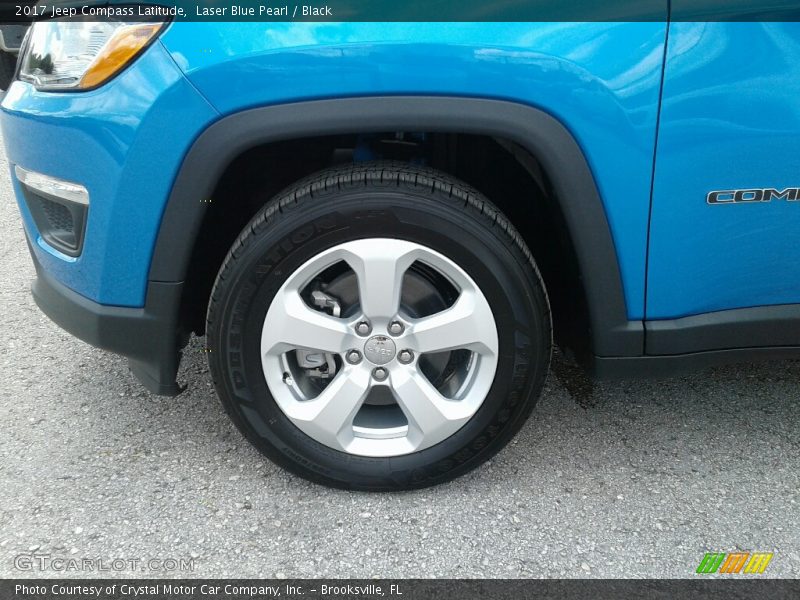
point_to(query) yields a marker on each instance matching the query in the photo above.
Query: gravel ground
(632, 479)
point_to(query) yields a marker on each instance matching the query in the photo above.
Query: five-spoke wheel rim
(325, 368)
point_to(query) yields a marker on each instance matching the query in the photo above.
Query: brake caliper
(320, 364)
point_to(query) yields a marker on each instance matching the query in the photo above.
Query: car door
(725, 216)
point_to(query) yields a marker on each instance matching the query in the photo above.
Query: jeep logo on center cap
(379, 349)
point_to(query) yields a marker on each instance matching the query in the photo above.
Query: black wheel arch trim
(535, 130)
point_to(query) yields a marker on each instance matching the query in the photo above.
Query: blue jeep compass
(380, 228)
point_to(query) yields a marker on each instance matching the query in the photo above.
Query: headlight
(76, 55)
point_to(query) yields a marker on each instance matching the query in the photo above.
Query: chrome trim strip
(53, 186)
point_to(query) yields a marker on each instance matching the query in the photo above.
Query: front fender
(600, 80)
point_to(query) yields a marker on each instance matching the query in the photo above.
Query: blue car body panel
(124, 142)
(730, 120)
(601, 80)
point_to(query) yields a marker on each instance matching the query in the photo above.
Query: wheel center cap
(379, 349)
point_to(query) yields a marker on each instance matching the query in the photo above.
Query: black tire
(379, 200)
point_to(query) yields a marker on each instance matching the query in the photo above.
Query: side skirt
(632, 367)
(690, 343)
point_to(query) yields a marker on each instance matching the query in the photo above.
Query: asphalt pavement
(625, 479)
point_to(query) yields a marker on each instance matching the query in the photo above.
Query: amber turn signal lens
(123, 46)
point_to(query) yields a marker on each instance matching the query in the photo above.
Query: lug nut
(379, 373)
(353, 357)
(363, 328)
(405, 356)
(396, 328)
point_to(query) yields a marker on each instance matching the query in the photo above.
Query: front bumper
(150, 336)
(122, 143)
